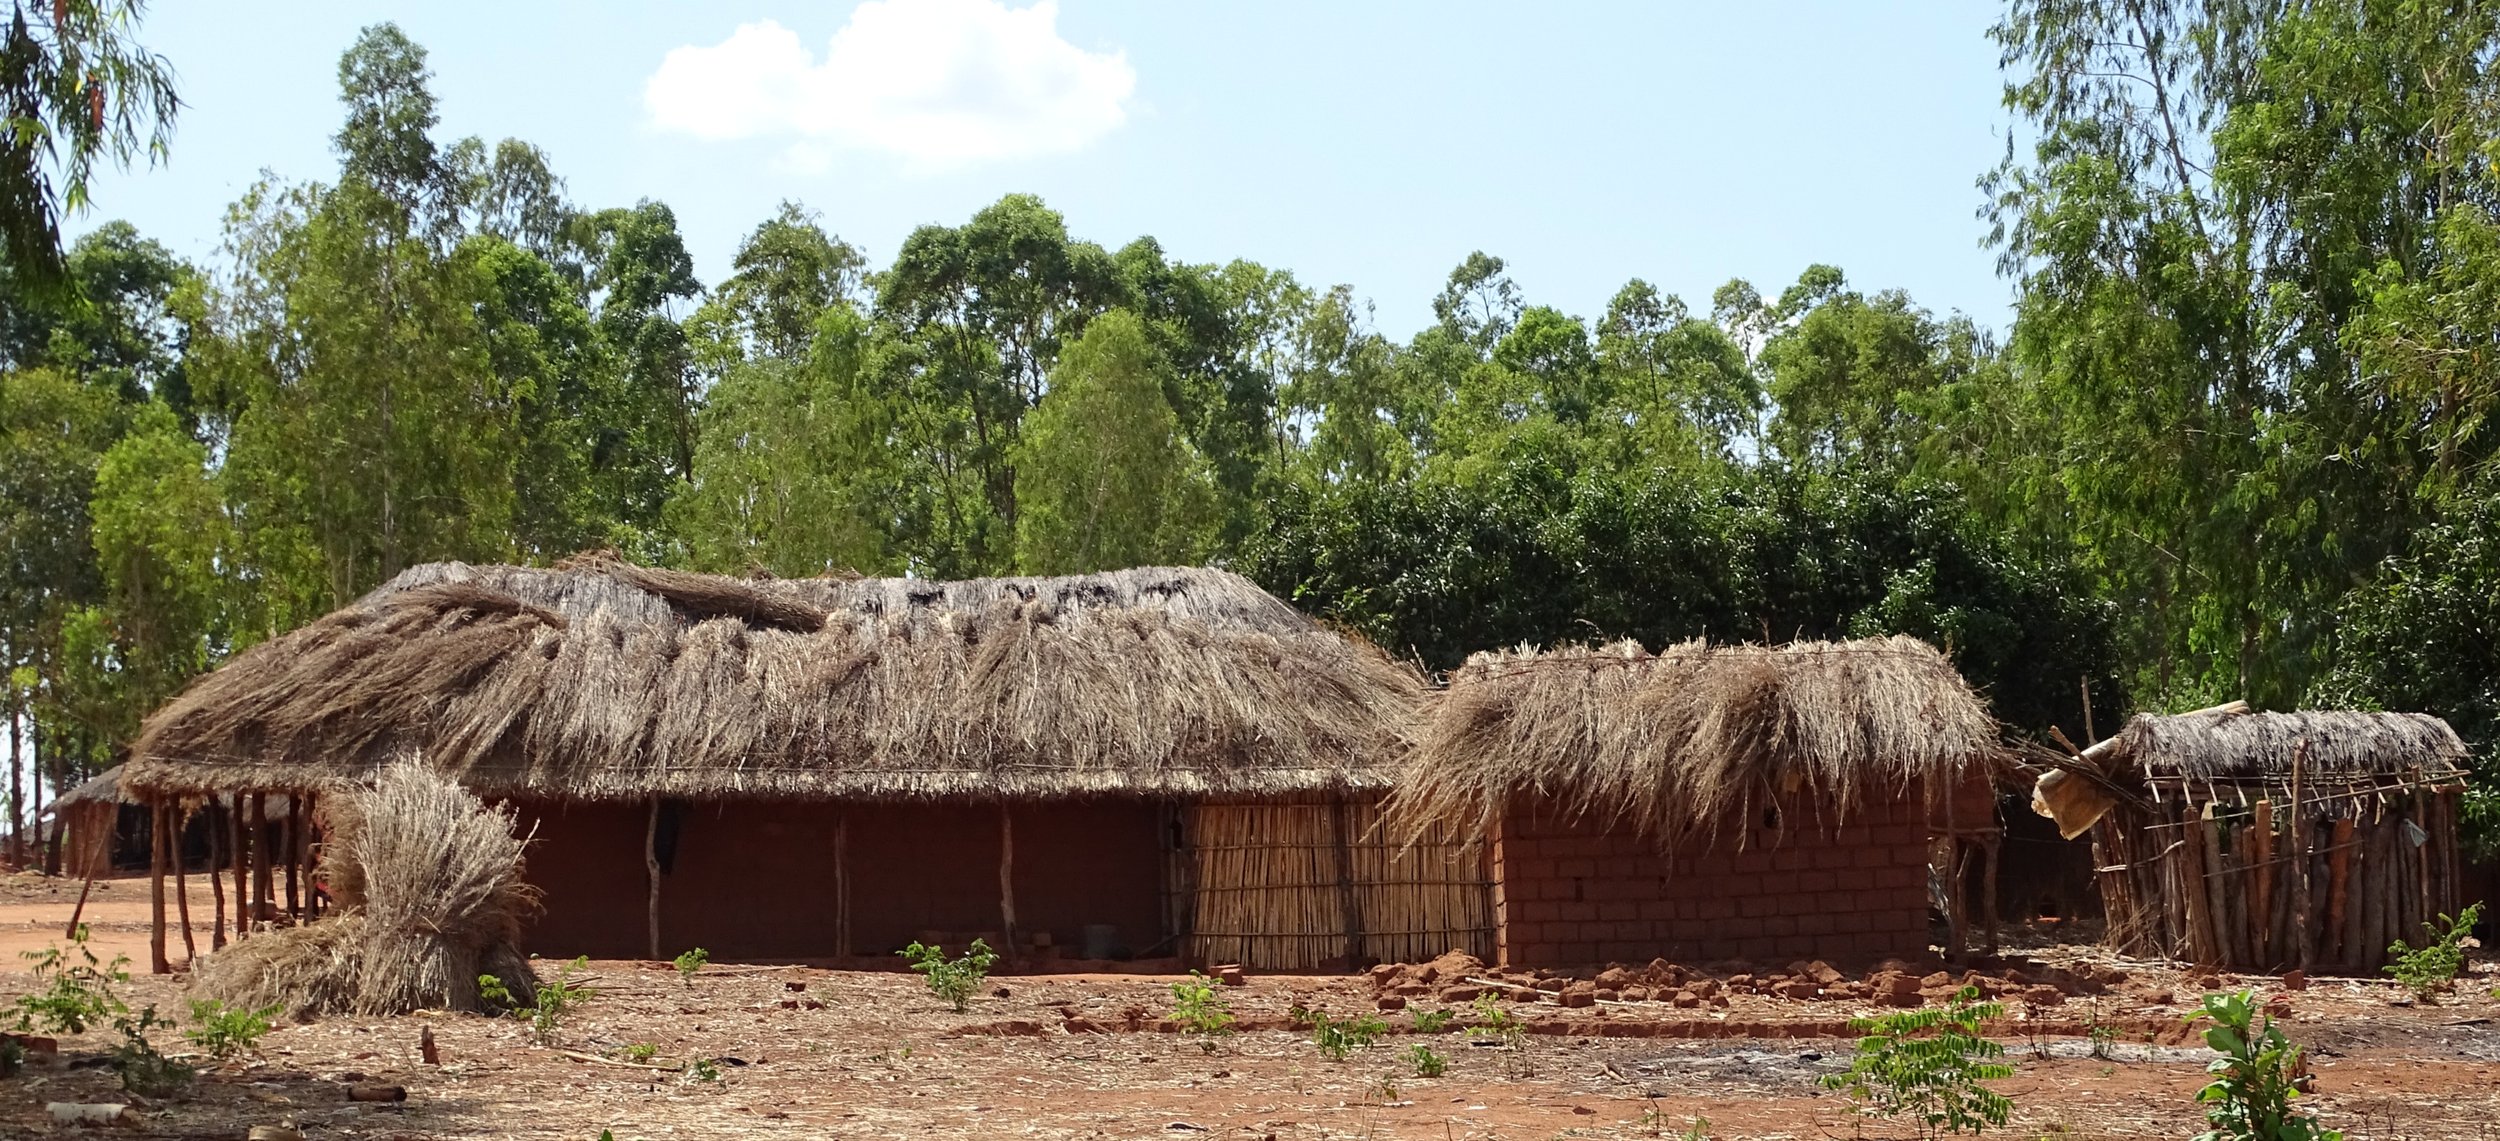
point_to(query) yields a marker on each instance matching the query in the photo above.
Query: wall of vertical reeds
(1317, 883)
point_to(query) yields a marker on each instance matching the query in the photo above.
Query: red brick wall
(1569, 892)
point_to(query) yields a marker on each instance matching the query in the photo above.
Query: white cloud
(938, 82)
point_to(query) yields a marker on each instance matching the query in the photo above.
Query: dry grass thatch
(603, 680)
(2334, 746)
(429, 887)
(1671, 742)
(104, 788)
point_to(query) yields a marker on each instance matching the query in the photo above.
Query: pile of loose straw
(430, 896)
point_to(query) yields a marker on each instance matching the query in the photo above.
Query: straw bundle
(439, 900)
(605, 681)
(1291, 885)
(1671, 742)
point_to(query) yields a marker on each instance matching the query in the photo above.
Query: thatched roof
(2222, 746)
(103, 788)
(605, 680)
(1670, 741)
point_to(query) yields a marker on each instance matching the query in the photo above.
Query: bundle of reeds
(432, 897)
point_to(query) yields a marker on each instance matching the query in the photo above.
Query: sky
(1372, 144)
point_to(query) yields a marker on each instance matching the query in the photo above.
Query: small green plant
(144, 1069)
(75, 989)
(1201, 1011)
(956, 980)
(2103, 1039)
(556, 997)
(1424, 1062)
(1337, 1038)
(690, 962)
(222, 1033)
(496, 997)
(641, 1052)
(1387, 1089)
(703, 1070)
(1927, 1065)
(1433, 1021)
(1494, 1022)
(2432, 968)
(2252, 1091)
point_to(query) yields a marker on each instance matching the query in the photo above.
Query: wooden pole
(2261, 916)
(2338, 890)
(1007, 878)
(238, 850)
(1349, 907)
(264, 889)
(94, 865)
(291, 844)
(2193, 863)
(304, 855)
(182, 884)
(842, 884)
(651, 868)
(156, 890)
(216, 886)
(2304, 943)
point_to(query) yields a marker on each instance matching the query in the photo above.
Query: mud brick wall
(1570, 892)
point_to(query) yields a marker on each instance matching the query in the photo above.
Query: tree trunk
(156, 890)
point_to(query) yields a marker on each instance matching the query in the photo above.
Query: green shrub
(74, 989)
(1426, 1063)
(556, 998)
(1927, 1065)
(2252, 1091)
(1432, 1021)
(641, 1052)
(222, 1033)
(1201, 1011)
(1338, 1038)
(1495, 1022)
(955, 981)
(2433, 967)
(692, 961)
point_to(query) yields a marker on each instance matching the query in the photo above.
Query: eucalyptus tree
(74, 89)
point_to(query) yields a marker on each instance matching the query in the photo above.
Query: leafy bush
(1432, 1021)
(1927, 1064)
(556, 998)
(496, 996)
(1201, 1011)
(1426, 1063)
(76, 992)
(2252, 1091)
(222, 1033)
(2433, 967)
(144, 1069)
(954, 981)
(692, 961)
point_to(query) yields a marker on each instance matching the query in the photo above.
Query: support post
(93, 866)
(651, 868)
(1988, 888)
(181, 815)
(156, 890)
(842, 884)
(263, 885)
(240, 852)
(2338, 889)
(1007, 878)
(304, 856)
(2304, 944)
(216, 886)
(291, 843)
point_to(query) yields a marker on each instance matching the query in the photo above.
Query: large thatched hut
(1152, 762)
(2264, 841)
(1710, 802)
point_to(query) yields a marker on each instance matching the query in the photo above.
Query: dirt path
(814, 1053)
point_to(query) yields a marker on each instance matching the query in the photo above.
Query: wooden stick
(2304, 945)
(92, 866)
(651, 868)
(304, 856)
(1007, 878)
(264, 884)
(290, 845)
(2338, 890)
(239, 850)
(2261, 931)
(216, 887)
(156, 890)
(182, 885)
(842, 884)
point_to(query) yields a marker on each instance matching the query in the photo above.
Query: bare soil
(808, 1052)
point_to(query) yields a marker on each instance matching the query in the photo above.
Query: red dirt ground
(815, 1053)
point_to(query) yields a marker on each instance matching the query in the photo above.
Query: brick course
(1573, 893)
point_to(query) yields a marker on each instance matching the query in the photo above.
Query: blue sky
(1373, 144)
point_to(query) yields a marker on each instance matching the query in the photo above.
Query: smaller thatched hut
(1710, 802)
(2263, 841)
(94, 818)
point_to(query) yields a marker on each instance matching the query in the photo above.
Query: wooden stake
(2192, 863)
(1007, 879)
(263, 883)
(2261, 926)
(156, 890)
(182, 885)
(651, 868)
(2304, 943)
(92, 866)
